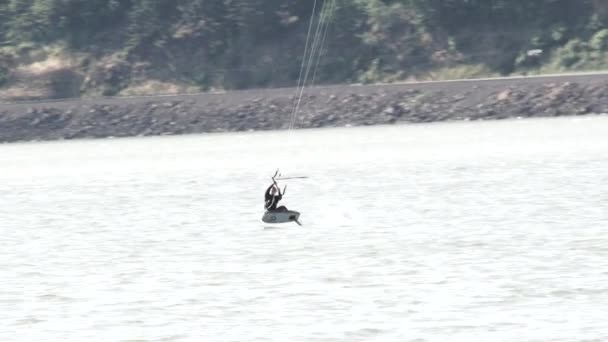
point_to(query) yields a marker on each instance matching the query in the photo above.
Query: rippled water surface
(493, 231)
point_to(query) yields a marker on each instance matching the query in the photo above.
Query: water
(494, 231)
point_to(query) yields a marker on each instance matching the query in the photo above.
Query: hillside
(73, 48)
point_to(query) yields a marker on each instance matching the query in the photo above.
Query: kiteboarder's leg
(281, 209)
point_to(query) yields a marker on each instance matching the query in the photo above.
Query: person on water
(271, 198)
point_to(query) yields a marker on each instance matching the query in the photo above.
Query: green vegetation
(3, 76)
(132, 46)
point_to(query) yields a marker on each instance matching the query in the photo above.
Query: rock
(389, 110)
(504, 95)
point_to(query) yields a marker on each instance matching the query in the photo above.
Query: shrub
(599, 41)
(4, 73)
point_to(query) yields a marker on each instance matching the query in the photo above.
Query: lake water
(484, 231)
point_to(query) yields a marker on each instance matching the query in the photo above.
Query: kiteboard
(281, 216)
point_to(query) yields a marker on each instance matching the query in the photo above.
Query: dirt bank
(320, 107)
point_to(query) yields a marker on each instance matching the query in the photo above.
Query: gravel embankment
(321, 107)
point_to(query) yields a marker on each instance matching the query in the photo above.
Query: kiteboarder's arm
(268, 190)
(277, 186)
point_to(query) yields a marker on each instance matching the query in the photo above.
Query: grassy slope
(156, 47)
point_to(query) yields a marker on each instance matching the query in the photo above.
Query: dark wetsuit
(271, 201)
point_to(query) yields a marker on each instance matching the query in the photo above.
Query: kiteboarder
(272, 197)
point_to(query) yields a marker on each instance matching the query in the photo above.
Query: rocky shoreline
(333, 106)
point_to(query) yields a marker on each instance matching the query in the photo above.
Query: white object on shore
(281, 216)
